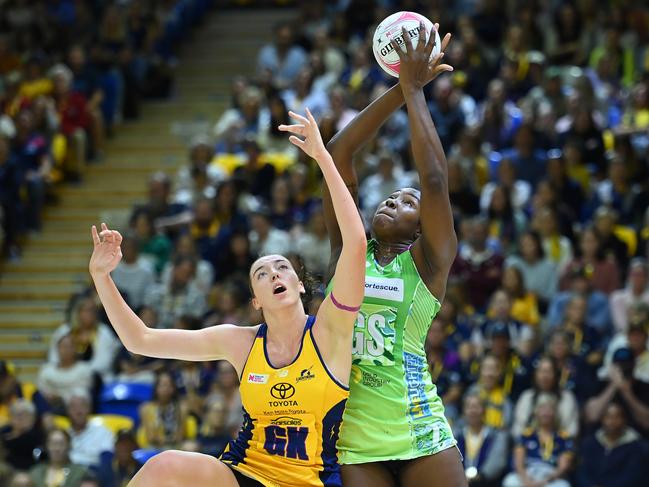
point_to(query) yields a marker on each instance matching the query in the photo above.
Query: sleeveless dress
(292, 417)
(393, 411)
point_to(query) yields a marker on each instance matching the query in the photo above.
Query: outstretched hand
(416, 68)
(307, 128)
(107, 251)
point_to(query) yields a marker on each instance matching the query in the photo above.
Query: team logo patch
(388, 288)
(282, 390)
(305, 375)
(257, 378)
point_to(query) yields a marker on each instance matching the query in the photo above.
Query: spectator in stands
(636, 291)
(446, 112)
(519, 334)
(464, 201)
(498, 408)
(484, 449)
(539, 273)
(225, 390)
(213, 434)
(505, 222)
(264, 238)
(86, 81)
(94, 341)
(596, 302)
(34, 163)
(205, 228)
(225, 300)
(569, 193)
(282, 213)
(585, 338)
(164, 418)
(445, 368)
(313, 244)
(186, 248)
(165, 213)
(546, 381)
(525, 306)
(283, 58)
(198, 178)
(120, 469)
(519, 190)
(23, 436)
(605, 225)
(57, 381)
(302, 93)
(618, 191)
(555, 245)
(635, 339)
(603, 273)
(254, 176)
(153, 245)
(622, 387)
(10, 390)
(134, 275)
(543, 454)
(614, 455)
(58, 470)
(178, 296)
(73, 120)
(89, 440)
(233, 264)
(478, 265)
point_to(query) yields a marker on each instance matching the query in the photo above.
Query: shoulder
(528, 433)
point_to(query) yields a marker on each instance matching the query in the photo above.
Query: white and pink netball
(389, 29)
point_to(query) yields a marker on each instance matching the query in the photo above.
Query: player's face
(274, 282)
(397, 217)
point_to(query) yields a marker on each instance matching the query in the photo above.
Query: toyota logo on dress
(282, 390)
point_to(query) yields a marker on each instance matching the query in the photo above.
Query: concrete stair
(34, 291)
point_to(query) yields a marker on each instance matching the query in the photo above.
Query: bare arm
(335, 323)
(639, 411)
(350, 139)
(343, 147)
(594, 408)
(436, 247)
(226, 342)
(564, 465)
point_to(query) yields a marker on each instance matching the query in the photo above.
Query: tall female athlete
(394, 431)
(293, 368)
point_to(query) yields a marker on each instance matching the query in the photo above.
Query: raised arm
(435, 249)
(337, 313)
(227, 342)
(350, 139)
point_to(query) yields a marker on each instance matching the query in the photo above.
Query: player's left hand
(309, 140)
(416, 68)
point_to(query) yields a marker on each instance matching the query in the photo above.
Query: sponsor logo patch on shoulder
(258, 378)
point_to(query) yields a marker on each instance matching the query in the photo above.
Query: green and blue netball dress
(393, 411)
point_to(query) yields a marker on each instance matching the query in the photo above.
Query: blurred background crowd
(540, 351)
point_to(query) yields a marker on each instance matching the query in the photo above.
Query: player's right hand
(307, 128)
(107, 251)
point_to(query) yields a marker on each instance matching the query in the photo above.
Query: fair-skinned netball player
(394, 431)
(293, 368)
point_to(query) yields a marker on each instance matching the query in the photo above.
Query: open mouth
(279, 289)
